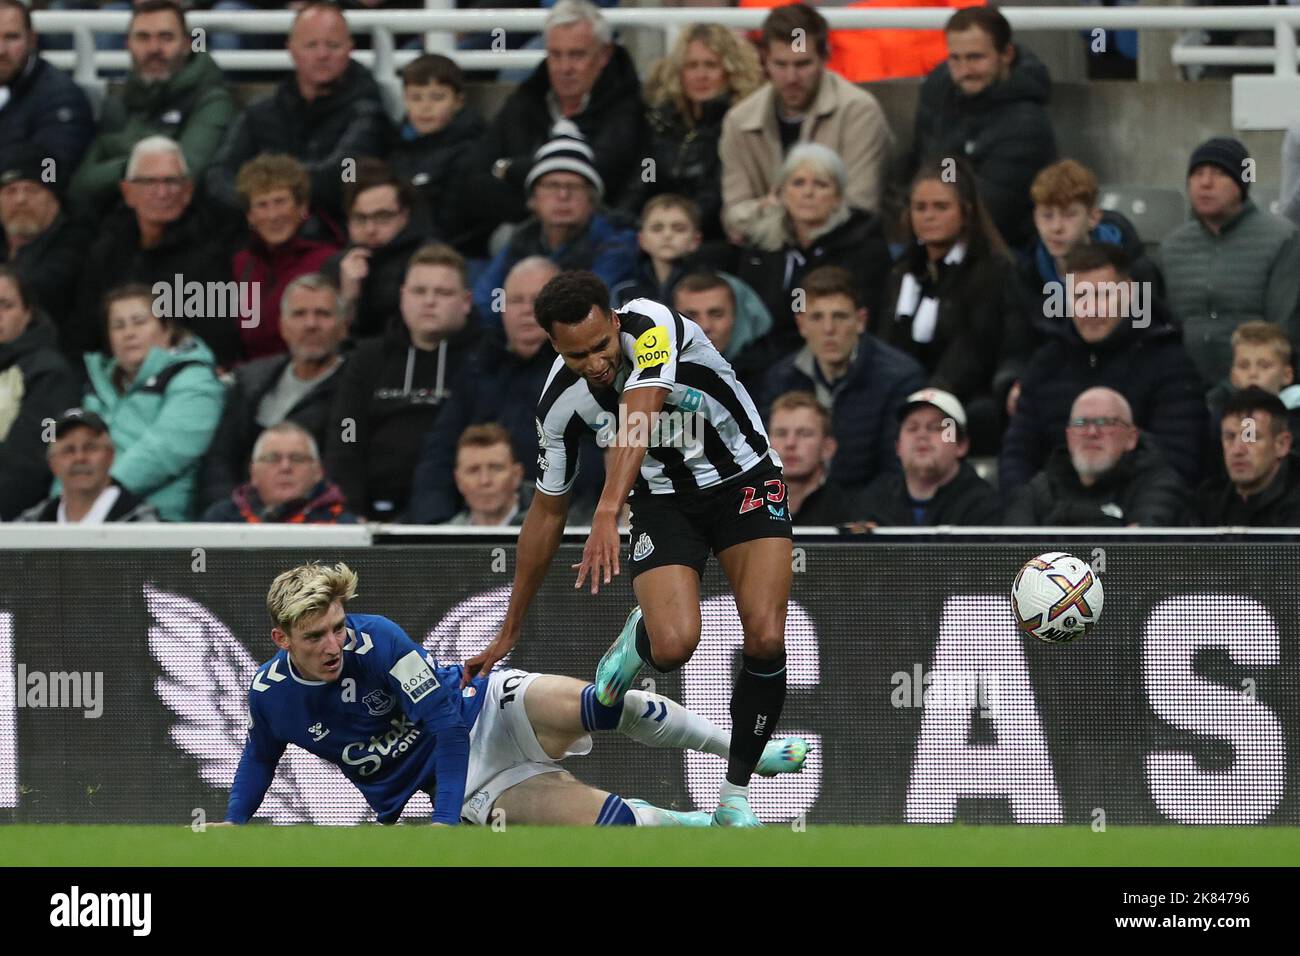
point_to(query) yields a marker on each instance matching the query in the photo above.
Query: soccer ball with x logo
(1056, 598)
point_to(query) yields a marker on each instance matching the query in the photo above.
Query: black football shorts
(684, 528)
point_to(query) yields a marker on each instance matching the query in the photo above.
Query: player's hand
(600, 555)
(1013, 399)
(486, 659)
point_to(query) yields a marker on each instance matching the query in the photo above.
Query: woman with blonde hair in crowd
(689, 91)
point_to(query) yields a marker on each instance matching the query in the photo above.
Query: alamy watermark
(60, 689)
(946, 689)
(1125, 300)
(179, 299)
(664, 429)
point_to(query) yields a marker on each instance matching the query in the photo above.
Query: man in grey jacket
(1232, 263)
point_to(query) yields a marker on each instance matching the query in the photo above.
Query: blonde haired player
(355, 690)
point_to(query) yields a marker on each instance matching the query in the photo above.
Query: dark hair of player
(569, 298)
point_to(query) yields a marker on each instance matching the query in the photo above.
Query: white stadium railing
(186, 537)
(441, 25)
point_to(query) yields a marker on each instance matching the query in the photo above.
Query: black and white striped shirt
(709, 431)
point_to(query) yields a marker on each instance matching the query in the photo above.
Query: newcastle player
(689, 446)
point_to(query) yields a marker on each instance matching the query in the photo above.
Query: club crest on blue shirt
(378, 702)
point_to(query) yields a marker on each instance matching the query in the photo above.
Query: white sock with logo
(656, 721)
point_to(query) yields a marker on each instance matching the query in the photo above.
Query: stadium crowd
(299, 311)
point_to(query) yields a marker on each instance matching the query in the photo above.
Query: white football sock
(656, 721)
(729, 789)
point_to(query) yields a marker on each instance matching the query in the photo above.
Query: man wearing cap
(39, 104)
(565, 190)
(171, 91)
(587, 79)
(1232, 263)
(81, 456)
(45, 246)
(1108, 474)
(937, 485)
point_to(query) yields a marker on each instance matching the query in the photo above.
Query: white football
(1056, 598)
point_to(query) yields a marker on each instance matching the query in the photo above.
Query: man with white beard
(1108, 474)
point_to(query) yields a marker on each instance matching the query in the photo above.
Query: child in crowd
(1066, 215)
(434, 141)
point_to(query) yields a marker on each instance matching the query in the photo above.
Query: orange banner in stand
(865, 55)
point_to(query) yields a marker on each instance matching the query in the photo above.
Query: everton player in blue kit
(355, 690)
(688, 444)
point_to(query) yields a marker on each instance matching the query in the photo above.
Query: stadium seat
(1153, 210)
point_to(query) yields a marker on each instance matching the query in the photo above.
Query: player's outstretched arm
(600, 555)
(253, 778)
(451, 760)
(539, 539)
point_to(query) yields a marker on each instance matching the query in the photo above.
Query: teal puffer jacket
(162, 423)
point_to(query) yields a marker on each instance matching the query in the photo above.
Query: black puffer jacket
(613, 124)
(1037, 268)
(51, 266)
(36, 383)
(195, 247)
(966, 500)
(226, 466)
(347, 123)
(392, 392)
(686, 162)
(857, 244)
(1141, 489)
(48, 110)
(381, 290)
(982, 337)
(435, 165)
(1148, 366)
(1004, 132)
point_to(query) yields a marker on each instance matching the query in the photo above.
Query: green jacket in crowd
(161, 424)
(1249, 271)
(194, 108)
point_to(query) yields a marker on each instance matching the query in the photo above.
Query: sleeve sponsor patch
(653, 348)
(415, 676)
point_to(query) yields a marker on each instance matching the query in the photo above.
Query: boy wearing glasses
(286, 484)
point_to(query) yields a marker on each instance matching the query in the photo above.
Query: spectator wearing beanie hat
(1232, 263)
(41, 242)
(567, 225)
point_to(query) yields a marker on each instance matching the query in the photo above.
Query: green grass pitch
(51, 845)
